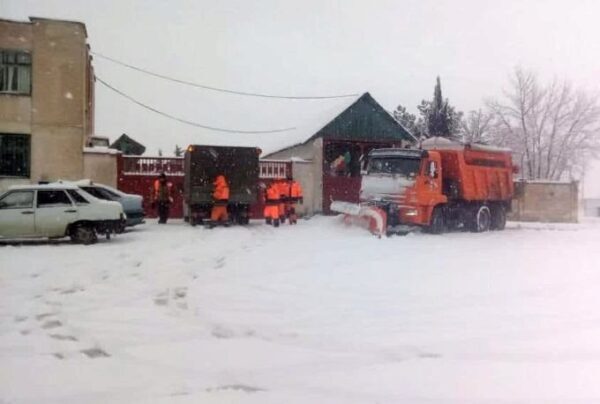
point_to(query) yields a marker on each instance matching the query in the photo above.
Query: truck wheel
(482, 220)
(498, 218)
(437, 225)
(84, 234)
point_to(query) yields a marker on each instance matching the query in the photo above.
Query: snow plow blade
(371, 217)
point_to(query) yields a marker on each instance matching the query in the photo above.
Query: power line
(222, 90)
(199, 125)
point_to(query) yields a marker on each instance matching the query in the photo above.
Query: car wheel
(84, 235)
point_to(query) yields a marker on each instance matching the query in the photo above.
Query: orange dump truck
(443, 186)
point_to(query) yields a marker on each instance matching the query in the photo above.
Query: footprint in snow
(51, 324)
(180, 292)
(222, 332)
(237, 387)
(58, 355)
(94, 353)
(219, 263)
(61, 337)
(177, 295)
(429, 355)
(42, 316)
(161, 299)
(20, 319)
(72, 290)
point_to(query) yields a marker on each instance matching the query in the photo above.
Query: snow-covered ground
(317, 313)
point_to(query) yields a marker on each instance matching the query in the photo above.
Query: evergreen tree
(437, 117)
(178, 151)
(440, 118)
(159, 152)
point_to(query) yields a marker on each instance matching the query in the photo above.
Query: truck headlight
(411, 212)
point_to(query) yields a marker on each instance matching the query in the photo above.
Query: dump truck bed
(477, 174)
(239, 165)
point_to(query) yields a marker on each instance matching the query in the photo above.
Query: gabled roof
(128, 146)
(361, 118)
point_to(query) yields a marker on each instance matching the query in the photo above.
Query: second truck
(202, 164)
(442, 186)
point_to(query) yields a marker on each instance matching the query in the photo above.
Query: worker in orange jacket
(272, 201)
(284, 195)
(162, 197)
(295, 192)
(218, 213)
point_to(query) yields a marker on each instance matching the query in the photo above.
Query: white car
(55, 211)
(132, 204)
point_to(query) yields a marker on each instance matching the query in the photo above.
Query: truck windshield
(408, 167)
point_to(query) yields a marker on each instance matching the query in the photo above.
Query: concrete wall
(304, 174)
(307, 166)
(591, 207)
(545, 202)
(100, 167)
(57, 113)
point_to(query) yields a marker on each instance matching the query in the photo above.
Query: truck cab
(405, 183)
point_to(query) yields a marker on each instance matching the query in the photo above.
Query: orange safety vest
(221, 192)
(156, 194)
(272, 193)
(283, 189)
(295, 190)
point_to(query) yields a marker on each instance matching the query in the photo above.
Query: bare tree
(553, 128)
(477, 127)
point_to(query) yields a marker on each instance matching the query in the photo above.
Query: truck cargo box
(477, 174)
(239, 165)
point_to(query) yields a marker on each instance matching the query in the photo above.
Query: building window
(15, 72)
(15, 151)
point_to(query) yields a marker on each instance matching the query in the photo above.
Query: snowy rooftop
(438, 142)
(100, 150)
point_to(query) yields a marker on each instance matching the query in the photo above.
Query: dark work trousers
(163, 212)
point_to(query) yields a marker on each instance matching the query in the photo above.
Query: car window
(17, 200)
(77, 197)
(51, 198)
(96, 192)
(112, 194)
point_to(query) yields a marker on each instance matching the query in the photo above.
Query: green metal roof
(364, 120)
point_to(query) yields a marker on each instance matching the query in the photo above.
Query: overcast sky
(393, 49)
